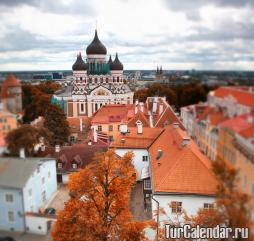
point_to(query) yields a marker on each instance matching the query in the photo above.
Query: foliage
(26, 136)
(35, 98)
(178, 96)
(99, 207)
(56, 122)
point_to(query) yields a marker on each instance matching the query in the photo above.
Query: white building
(26, 185)
(181, 176)
(137, 140)
(96, 82)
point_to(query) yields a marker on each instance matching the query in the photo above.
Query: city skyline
(41, 35)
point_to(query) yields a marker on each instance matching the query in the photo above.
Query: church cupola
(79, 65)
(96, 47)
(116, 65)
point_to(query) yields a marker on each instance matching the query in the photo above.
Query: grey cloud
(80, 7)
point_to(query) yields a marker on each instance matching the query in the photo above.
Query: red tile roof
(180, 169)
(241, 94)
(82, 154)
(135, 140)
(112, 113)
(242, 124)
(141, 117)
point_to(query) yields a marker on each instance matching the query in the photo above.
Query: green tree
(55, 122)
(26, 137)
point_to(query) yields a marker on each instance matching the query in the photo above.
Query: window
(147, 184)
(208, 206)
(110, 128)
(11, 216)
(82, 107)
(145, 158)
(110, 138)
(99, 128)
(176, 207)
(72, 138)
(74, 165)
(43, 196)
(9, 198)
(43, 180)
(59, 165)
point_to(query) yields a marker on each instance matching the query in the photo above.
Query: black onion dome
(96, 47)
(79, 64)
(116, 65)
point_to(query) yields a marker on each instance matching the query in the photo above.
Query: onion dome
(96, 47)
(116, 65)
(79, 64)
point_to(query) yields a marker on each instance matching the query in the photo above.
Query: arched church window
(117, 79)
(107, 80)
(95, 80)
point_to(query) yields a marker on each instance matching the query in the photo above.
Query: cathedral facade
(97, 81)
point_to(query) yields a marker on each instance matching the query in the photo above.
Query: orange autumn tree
(99, 206)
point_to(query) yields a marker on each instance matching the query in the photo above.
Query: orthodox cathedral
(97, 81)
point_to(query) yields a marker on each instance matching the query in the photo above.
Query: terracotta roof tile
(112, 113)
(242, 124)
(135, 140)
(241, 94)
(181, 169)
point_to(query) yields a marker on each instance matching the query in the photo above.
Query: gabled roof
(180, 169)
(243, 95)
(15, 172)
(242, 124)
(112, 113)
(141, 117)
(136, 141)
(80, 153)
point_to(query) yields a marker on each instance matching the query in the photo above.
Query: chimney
(123, 128)
(161, 108)
(136, 109)
(185, 141)
(150, 119)
(141, 105)
(81, 124)
(140, 127)
(22, 153)
(175, 125)
(155, 103)
(57, 148)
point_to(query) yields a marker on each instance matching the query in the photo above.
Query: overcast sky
(177, 34)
